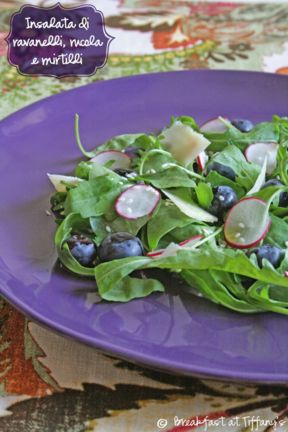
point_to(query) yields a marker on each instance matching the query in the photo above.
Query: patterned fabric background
(48, 383)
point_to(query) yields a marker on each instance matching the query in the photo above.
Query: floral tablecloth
(49, 383)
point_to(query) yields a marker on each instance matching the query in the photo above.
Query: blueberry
(243, 125)
(271, 253)
(120, 245)
(224, 198)
(125, 172)
(83, 250)
(283, 197)
(272, 182)
(132, 151)
(223, 170)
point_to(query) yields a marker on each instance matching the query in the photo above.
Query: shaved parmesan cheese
(260, 179)
(183, 142)
(58, 180)
(190, 209)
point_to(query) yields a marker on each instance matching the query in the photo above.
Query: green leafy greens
(187, 237)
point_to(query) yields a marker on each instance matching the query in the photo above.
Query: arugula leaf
(262, 132)
(146, 142)
(73, 223)
(155, 160)
(133, 226)
(119, 142)
(282, 124)
(194, 228)
(103, 227)
(217, 258)
(204, 194)
(166, 219)
(217, 286)
(246, 172)
(115, 285)
(98, 170)
(57, 202)
(186, 120)
(269, 297)
(131, 288)
(278, 232)
(282, 163)
(82, 170)
(168, 178)
(92, 198)
(270, 193)
(89, 170)
(216, 179)
(199, 262)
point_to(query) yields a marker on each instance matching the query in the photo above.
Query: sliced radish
(183, 142)
(137, 201)
(247, 223)
(173, 248)
(120, 159)
(260, 179)
(191, 241)
(155, 253)
(170, 250)
(59, 180)
(215, 125)
(257, 152)
(190, 209)
(202, 159)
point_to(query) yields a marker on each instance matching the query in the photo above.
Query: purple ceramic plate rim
(142, 359)
(131, 355)
(135, 77)
(145, 360)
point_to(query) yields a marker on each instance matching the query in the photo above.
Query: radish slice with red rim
(137, 201)
(214, 125)
(191, 241)
(257, 153)
(247, 223)
(173, 248)
(156, 253)
(202, 159)
(170, 250)
(118, 159)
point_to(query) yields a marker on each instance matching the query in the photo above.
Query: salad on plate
(207, 204)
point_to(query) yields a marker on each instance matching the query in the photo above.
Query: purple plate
(174, 331)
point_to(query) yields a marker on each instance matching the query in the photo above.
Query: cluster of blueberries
(114, 246)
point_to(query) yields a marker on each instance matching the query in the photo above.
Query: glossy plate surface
(173, 331)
